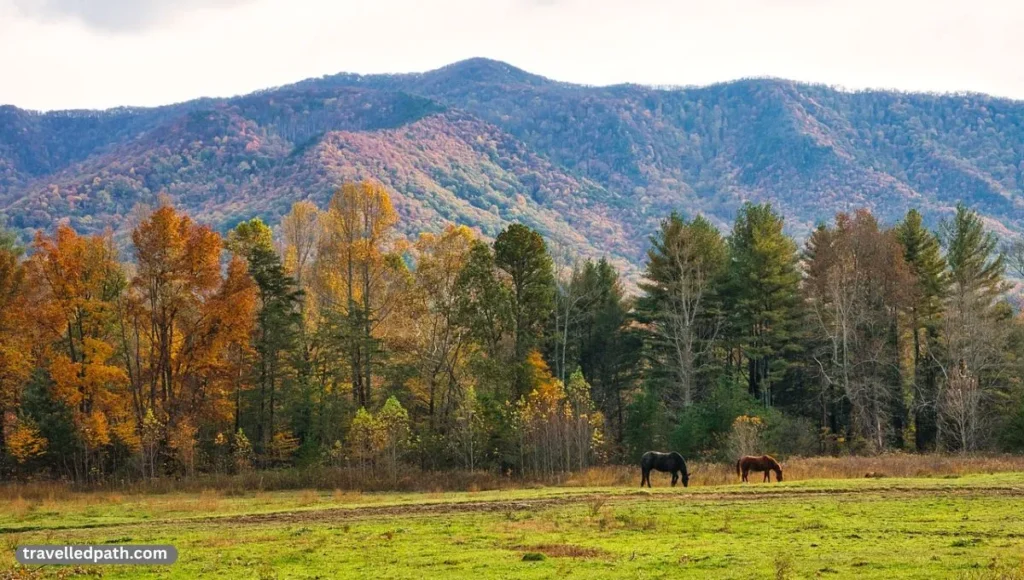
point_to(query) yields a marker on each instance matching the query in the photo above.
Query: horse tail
(738, 463)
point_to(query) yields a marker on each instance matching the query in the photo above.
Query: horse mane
(775, 465)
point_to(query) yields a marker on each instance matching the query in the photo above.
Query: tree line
(336, 341)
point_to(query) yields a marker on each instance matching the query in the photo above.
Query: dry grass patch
(346, 496)
(802, 468)
(221, 542)
(604, 476)
(209, 500)
(36, 490)
(899, 465)
(20, 507)
(533, 525)
(206, 501)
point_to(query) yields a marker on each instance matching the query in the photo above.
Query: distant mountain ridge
(484, 143)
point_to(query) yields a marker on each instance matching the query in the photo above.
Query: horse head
(687, 474)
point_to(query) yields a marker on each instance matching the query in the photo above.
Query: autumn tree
(469, 431)
(559, 429)
(363, 440)
(228, 332)
(443, 343)
(392, 420)
(857, 287)
(80, 282)
(182, 319)
(25, 442)
(361, 274)
(300, 232)
(16, 356)
(320, 358)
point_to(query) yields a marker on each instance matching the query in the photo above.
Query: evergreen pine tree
(681, 305)
(277, 327)
(762, 298)
(523, 255)
(921, 250)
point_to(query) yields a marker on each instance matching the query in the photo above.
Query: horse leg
(767, 476)
(675, 478)
(745, 472)
(644, 474)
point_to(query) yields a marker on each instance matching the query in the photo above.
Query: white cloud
(115, 15)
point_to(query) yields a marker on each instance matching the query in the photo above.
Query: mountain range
(483, 143)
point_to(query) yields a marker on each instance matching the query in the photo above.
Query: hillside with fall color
(482, 143)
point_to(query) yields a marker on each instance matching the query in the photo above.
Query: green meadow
(961, 527)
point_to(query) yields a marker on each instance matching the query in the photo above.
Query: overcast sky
(103, 53)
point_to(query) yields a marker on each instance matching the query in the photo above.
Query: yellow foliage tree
(361, 275)
(182, 440)
(560, 429)
(441, 343)
(25, 442)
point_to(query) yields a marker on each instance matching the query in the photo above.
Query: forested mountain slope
(483, 143)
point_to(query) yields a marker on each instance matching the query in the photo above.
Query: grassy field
(954, 526)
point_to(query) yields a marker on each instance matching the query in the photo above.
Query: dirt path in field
(499, 505)
(519, 505)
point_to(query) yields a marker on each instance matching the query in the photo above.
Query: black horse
(665, 462)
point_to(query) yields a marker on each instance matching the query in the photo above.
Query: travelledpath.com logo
(96, 554)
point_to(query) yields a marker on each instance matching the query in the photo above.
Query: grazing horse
(765, 463)
(665, 462)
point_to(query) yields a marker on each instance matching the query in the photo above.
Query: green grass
(971, 527)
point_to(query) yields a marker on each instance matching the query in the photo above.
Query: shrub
(787, 435)
(533, 557)
(746, 436)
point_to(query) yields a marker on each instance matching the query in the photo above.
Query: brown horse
(765, 463)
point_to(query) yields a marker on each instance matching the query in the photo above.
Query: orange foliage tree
(16, 360)
(186, 325)
(79, 280)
